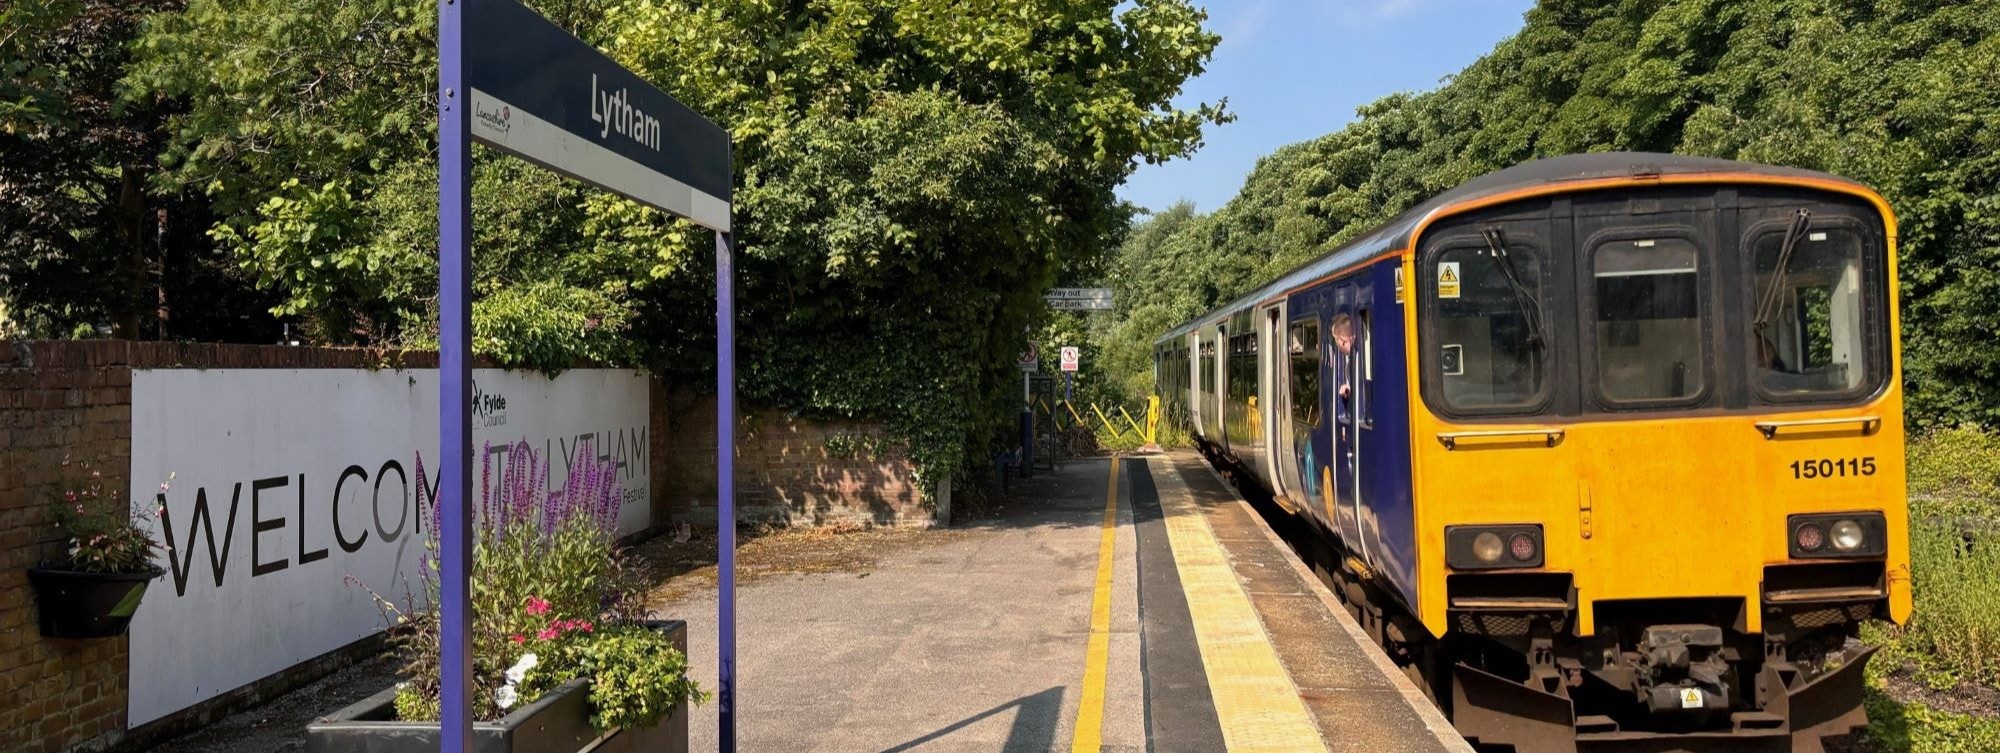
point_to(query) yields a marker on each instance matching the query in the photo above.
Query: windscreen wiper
(1768, 304)
(1524, 298)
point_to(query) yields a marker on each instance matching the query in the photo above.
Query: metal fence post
(454, 380)
(725, 484)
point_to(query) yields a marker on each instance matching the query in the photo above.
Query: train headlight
(1486, 547)
(1850, 534)
(1493, 547)
(1847, 536)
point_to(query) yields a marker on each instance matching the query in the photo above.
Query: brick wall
(789, 470)
(73, 399)
(60, 694)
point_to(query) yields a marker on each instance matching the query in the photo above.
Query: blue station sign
(543, 95)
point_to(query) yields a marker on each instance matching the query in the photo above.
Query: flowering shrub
(554, 598)
(103, 531)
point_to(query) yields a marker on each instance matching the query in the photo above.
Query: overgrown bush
(1954, 634)
(1955, 473)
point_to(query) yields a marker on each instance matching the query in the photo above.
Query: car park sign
(1079, 299)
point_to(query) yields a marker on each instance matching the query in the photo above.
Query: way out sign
(511, 79)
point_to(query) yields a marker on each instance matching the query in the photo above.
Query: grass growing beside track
(1935, 687)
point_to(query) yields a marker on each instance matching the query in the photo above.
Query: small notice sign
(1029, 360)
(1448, 281)
(1070, 356)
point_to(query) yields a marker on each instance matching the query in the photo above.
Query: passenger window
(1363, 400)
(1648, 320)
(1808, 328)
(1487, 353)
(1341, 335)
(1305, 374)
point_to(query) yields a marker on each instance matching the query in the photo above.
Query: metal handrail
(1450, 438)
(1869, 424)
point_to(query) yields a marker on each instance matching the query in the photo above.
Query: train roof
(1395, 234)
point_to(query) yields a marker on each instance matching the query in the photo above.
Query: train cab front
(1660, 464)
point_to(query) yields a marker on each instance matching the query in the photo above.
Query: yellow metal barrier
(1149, 431)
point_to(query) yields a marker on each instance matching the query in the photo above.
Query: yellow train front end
(1658, 459)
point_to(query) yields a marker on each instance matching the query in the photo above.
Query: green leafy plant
(554, 598)
(103, 531)
(636, 675)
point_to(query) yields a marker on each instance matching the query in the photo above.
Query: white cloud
(1245, 22)
(1370, 12)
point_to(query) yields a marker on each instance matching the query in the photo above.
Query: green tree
(911, 175)
(84, 243)
(1903, 95)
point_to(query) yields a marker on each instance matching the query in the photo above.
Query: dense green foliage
(910, 176)
(1901, 94)
(84, 243)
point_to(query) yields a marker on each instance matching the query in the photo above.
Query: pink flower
(537, 606)
(518, 639)
(548, 634)
(69, 496)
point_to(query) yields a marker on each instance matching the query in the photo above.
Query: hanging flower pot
(93, 592)
(77, 604)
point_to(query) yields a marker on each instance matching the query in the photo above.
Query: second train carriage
(1609, 445)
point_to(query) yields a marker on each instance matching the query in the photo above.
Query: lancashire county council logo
(498, 121)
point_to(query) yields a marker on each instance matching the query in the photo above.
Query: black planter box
(77, 604)
(555, 723)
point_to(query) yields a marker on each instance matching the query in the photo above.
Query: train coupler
(1799, 715)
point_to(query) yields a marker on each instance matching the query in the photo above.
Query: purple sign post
(515, 82)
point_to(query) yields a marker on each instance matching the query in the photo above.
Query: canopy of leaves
(911, 175)
(1903, 95)
(83, 243)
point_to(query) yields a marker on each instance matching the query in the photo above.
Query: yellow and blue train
(1608, 448)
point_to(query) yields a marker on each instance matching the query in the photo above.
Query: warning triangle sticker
(1447, 275)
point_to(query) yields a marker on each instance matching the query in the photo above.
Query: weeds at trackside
(1949, 653)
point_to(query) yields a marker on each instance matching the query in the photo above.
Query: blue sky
(1296, 69)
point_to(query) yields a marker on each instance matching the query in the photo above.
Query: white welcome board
(289, 481)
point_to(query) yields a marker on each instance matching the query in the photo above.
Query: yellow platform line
(1255, 701)
(1090, 709)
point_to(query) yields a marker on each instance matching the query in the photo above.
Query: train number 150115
(1833, 468)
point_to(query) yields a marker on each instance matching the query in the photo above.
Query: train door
(1218, 415)
(1274, 369)
(1304, 465)
(1191, 369)
(1367, 442)
(1346, 460)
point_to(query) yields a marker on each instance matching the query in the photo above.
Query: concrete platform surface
(1217, 638)
(975, 644)
(1128, 604)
